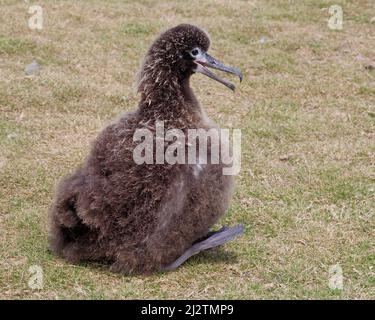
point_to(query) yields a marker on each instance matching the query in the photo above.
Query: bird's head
(182, 51)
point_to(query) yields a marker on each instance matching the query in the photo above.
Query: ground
(306, 190)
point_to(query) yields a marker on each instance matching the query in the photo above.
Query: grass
(306, 191)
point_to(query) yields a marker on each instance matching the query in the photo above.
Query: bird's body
(140, 218)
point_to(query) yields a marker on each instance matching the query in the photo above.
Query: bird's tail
(65, 224)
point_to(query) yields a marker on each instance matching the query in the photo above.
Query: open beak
(205, 60)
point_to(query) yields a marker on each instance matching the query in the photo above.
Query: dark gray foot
(213, 239)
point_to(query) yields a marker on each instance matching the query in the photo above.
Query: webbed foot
(212, 240)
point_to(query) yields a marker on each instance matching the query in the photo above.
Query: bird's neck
(169, 99)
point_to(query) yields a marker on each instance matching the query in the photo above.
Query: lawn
(306, 108)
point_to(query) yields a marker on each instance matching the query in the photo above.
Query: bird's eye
(194, 52)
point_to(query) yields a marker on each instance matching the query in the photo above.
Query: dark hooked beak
(205, 60)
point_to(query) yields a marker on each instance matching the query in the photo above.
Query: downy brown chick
(141, 218)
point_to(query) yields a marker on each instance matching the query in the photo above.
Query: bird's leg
(212, 240)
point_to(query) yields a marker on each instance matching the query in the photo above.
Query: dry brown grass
(306, 110)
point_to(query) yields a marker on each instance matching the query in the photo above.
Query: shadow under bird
(148, 217)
